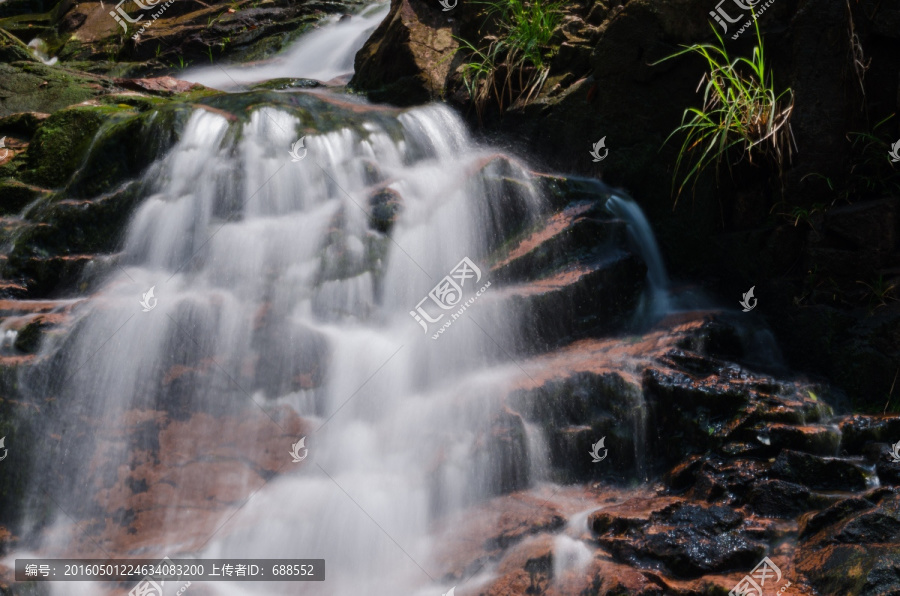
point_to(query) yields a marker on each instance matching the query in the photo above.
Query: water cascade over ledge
(278, 286)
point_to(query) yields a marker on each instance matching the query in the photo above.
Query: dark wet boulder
(575, 413)
(508, 471)
(781, 499)
(822, 473)
(689, 539)
(385, 206)
(815, 439)
(850, 548)
(859, 429)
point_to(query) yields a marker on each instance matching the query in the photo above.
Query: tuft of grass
(796, 214)
(880, 291)
(513, 66)
(741, 110)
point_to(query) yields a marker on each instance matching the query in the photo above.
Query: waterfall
(657, 302)
(323, 54)
(258, 294)
(265, 271)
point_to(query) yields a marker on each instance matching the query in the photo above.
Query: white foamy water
(263, 267)
(322, 54)
(232, 228)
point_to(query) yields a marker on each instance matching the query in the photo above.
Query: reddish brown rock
(164, 85)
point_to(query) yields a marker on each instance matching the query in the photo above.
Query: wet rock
(577, 412)
(13, 50)
(818, 440)
(586, 298)
(689, 539)
(887, 467)
(386, 205)
(287, 83)
(36, 87)
(684, 475)
(507, 441)
(777, 498)
(526, 569)
(161, 85)
(569, 236)
(60, 144)
(23, 123)
(406, 60)
(29, 337)
(848, 548)
(857, 430)
(17, 195)
(822, 473)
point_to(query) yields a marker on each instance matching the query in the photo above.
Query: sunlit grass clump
(514, 63)
(740, 110)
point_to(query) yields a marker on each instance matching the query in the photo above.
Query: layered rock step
(570, 275)
(770, 471)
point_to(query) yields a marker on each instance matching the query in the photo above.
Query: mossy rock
(12, 49)
(125, 148)
(59, 145)
(36, 87)
(15, 195)
(286, 83)
(29, 338)
(23, 124)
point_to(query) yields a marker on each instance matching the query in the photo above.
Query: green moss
(59, 145)
(11, 48)
(36, 87)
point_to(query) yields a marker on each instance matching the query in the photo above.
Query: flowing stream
(267, 269)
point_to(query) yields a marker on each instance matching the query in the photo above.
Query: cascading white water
(232, 228)
(322, 55)
(233, 232)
